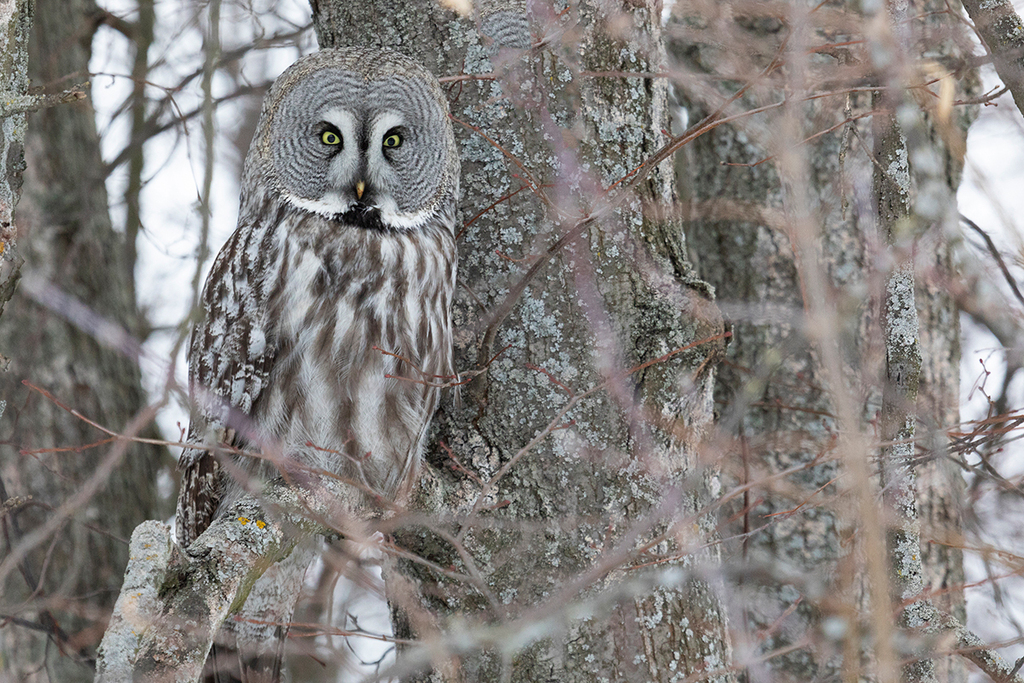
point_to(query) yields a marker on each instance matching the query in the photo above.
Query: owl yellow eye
(329, 137)
(393, 140)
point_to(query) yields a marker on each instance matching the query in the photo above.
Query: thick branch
(14, 103)
(969, 645)
(1001, 29)
(989, 661)
(173, 602)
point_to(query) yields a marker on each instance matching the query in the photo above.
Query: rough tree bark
(15, 28)
(556, 532)
(1001, 29)
(776, 399)
(569, 540)
(532, 531)
(68, 512)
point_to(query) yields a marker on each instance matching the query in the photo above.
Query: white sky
(992, 195)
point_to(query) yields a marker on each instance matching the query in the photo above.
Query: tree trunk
(14, 37)
(78, 494)
(566, 524)
(778, 402)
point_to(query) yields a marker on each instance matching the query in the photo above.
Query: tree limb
(1001, 30)
(13, 103)
(173, 602)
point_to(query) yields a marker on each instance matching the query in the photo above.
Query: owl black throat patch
(362, 216)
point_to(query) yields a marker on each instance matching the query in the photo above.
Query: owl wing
(230, 357)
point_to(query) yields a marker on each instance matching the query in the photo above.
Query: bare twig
(994, 251)
(1000, 29)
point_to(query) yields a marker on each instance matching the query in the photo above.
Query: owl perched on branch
(326, 320)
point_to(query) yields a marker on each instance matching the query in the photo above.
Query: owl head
(359, 135)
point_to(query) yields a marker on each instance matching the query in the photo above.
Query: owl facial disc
(372, 150)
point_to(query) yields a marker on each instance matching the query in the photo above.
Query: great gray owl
(330, 299)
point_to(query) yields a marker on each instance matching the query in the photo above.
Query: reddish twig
(551, 377)
(457, 465)
(474, 219)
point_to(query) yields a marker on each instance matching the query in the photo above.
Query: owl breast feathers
(326, 322)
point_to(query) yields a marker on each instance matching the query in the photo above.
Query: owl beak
(360, 188)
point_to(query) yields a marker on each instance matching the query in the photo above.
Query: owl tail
(250, 645)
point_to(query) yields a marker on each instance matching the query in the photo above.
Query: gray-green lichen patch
(150, 552)
(592, 309)
(902, 324)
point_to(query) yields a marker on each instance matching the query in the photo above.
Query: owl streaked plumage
(334, 293)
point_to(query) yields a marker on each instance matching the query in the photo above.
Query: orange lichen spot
(243, 520)
(260, 523)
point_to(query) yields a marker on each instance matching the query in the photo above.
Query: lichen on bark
(775, 399)
(564, 522)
